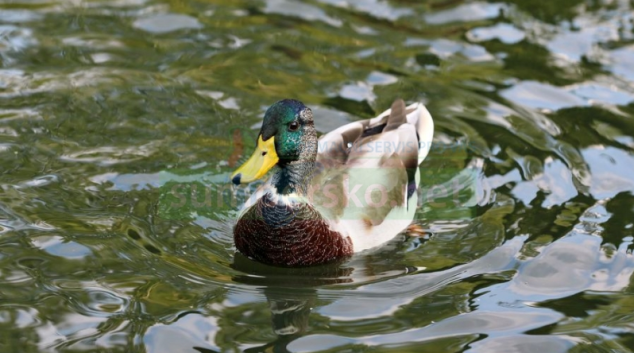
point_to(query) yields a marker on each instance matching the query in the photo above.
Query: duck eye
(293, 126)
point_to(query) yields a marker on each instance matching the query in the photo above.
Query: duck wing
(368, 173)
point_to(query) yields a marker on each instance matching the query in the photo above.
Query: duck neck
(294, 177)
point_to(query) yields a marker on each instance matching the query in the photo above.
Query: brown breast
(288, 236)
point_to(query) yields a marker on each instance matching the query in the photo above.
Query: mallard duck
(351, 190)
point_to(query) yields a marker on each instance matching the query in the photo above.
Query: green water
(106, 106)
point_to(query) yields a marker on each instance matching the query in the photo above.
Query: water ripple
(527, 193)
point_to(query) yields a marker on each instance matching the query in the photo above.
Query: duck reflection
(293, 292)
(290, 292)
(289, 315)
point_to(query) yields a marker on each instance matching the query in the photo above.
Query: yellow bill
(262, 160)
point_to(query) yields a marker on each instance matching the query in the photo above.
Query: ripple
(16, 38)
(15, 277)
(481, 322)
(40, 181)
(597, 93)
(100, 58)
(165, 23)
(557, 182)
(327, 119)
(358, 92)
(18, 16)
(110, 155)
(377, 8)
(4, 147)
(7, 131)
(21, 317)
(445, 49)
(211, 94)
(140, 181)
(388, 296)
(75, 327)
(377, 78)
(106, 105)
(96, 43)
(621, 63)
(525, 343)
(57, 246)
(569, 266)
(18, 114)
(583, 41)
(504, 32)
(101, 301)
(541, 96)
(191, 330)
(229, 103)
(18, 84)
(474, 11)
(301, 10)
(611, 170)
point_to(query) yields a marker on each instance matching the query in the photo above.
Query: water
(105, 106)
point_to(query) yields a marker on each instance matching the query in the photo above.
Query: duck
(351, 190)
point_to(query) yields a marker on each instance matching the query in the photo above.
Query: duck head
(287, 139)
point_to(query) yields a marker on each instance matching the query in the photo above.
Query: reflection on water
(107, 107)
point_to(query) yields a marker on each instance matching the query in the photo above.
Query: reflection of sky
(622, 62)
(504, 32)
(526, 343)
(480, 322)
(191, 330)
(574, 45)
(15, 38)
(363, 91)
(140, 181)
(164, 23)
(376, 8)
(540, 95)
(55, 245)
(597, 93)
(555, 180)
(474, 11)
(612, 171)
(389, 296)
(327, 119)
(240, 297)
(19, 16)
(301, 10)
(570, 265)
(610, 168)
(446, 48)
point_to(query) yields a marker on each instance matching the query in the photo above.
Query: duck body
(351, 190)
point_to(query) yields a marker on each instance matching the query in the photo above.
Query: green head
(287, 136)
(290, 122)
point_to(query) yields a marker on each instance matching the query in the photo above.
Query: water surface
(105, 106)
